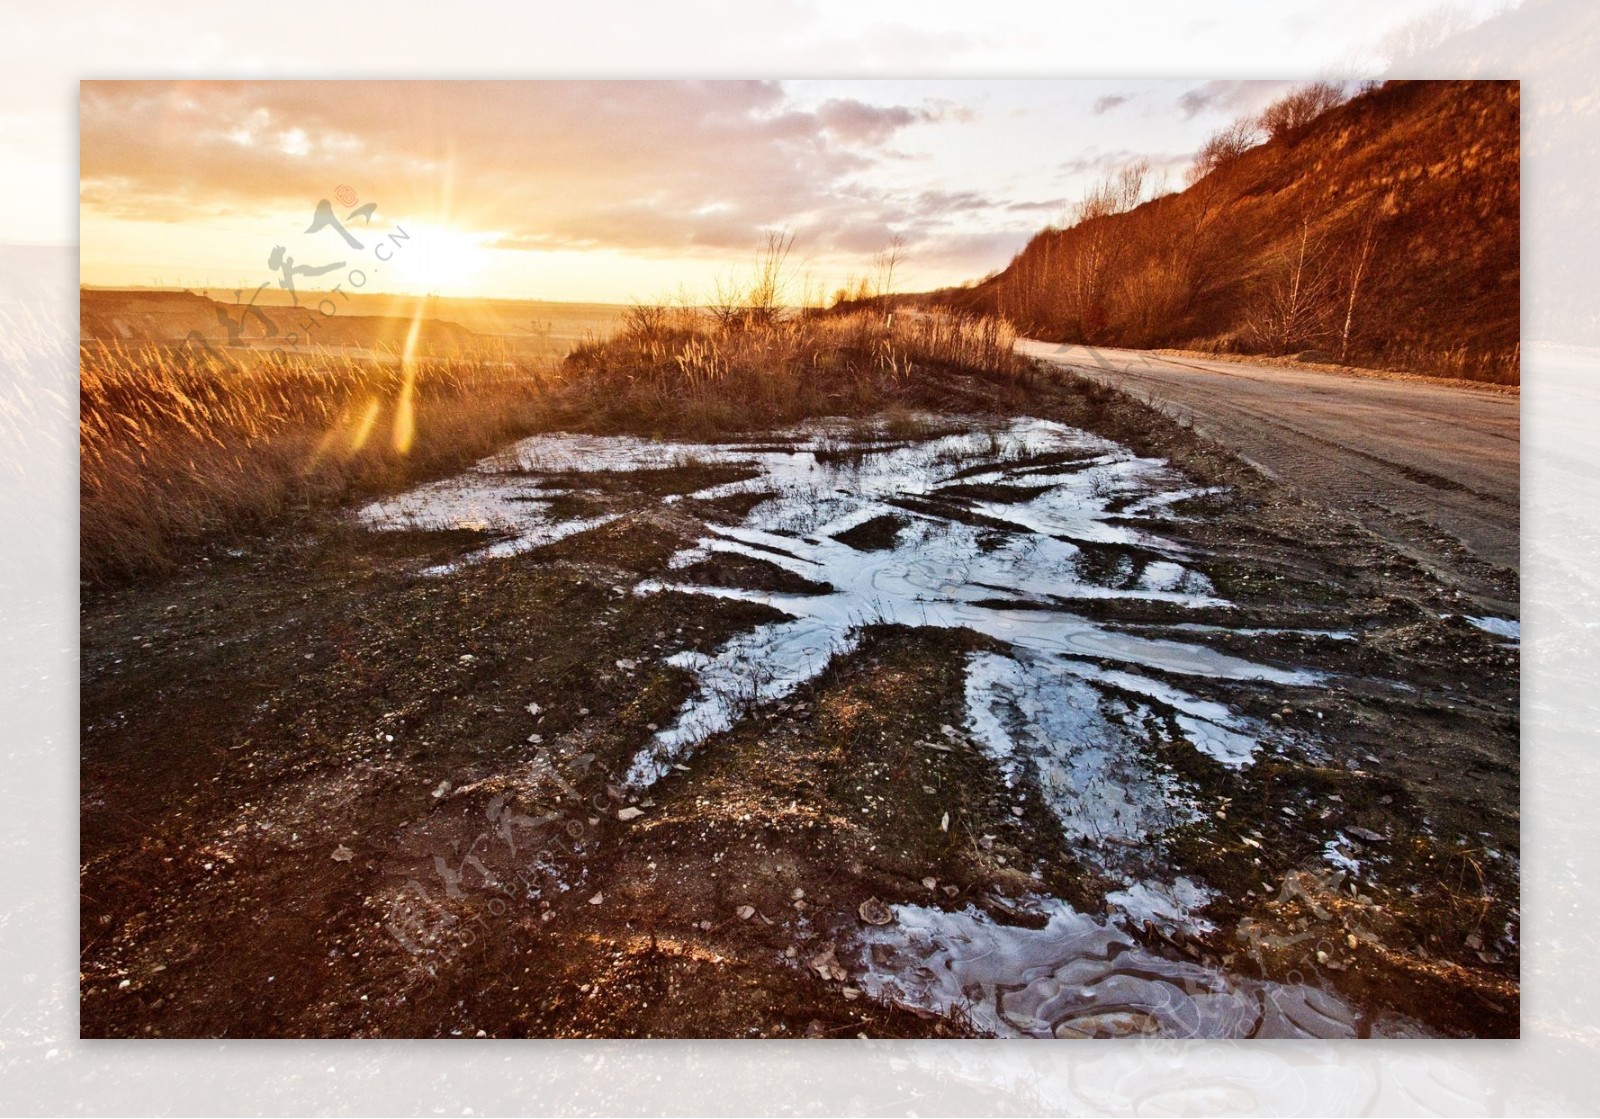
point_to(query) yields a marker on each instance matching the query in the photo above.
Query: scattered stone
(944, 824)
(951, 891)
(929, 883)
(745, 912)
(597, 899)
(343, 854)
(626, 814)
(441, 788)
(627, 665)
(1365, 834)
(534, 709)
(851, 994)
(798, 893)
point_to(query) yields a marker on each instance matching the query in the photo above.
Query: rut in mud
(941, 724)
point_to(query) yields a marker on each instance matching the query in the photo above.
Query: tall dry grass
(177, 449)
(681, 369)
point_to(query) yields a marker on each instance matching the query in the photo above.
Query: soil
(324, 796)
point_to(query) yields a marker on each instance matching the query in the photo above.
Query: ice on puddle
(1000, 530)
(1078, 976)
(1005, 531)
(1006, 564)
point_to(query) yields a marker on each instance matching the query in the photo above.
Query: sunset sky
(606, 191)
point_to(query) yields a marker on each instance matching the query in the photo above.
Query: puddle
(1006, 531)
(968, 554)
(1083, 977)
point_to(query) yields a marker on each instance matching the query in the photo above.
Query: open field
(941, 698)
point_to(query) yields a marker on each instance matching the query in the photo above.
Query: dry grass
(177, 448)
(679, 369)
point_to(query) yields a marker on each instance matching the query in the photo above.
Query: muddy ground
(326, 795)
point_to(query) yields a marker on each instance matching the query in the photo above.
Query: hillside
(1406, 196)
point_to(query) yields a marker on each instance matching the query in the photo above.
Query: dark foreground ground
(307, 806)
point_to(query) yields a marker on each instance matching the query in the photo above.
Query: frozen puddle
(1081, 977)
(1000, 532)
(1006, 531)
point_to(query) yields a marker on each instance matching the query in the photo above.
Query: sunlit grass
(177, 447)
(180, 447)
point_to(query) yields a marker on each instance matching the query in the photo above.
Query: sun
(434, 258)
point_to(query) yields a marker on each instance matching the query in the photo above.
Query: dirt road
(1432, 469)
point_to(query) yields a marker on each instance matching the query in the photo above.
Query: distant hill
(1408, 195)
(169, 317)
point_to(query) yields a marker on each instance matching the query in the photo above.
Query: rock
(944, 824)
(626, 814)
(627, 665)
(851, 994)
(929, 883)
(534, 709)
(441, 789)
(797, 893)
(874, 912)
(1365, 834)
(597, 899)
(826, 964)
(343, 854)
(951, 891)
(745, 912)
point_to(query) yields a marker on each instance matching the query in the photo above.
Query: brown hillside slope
(1408, 194)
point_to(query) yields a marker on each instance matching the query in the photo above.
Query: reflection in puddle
(1081, 977)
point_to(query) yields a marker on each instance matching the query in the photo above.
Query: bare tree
(1363, 251)
(885, 264)
(1292, 306)
(763, 302)
(1290, 114)
(1223, 147)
